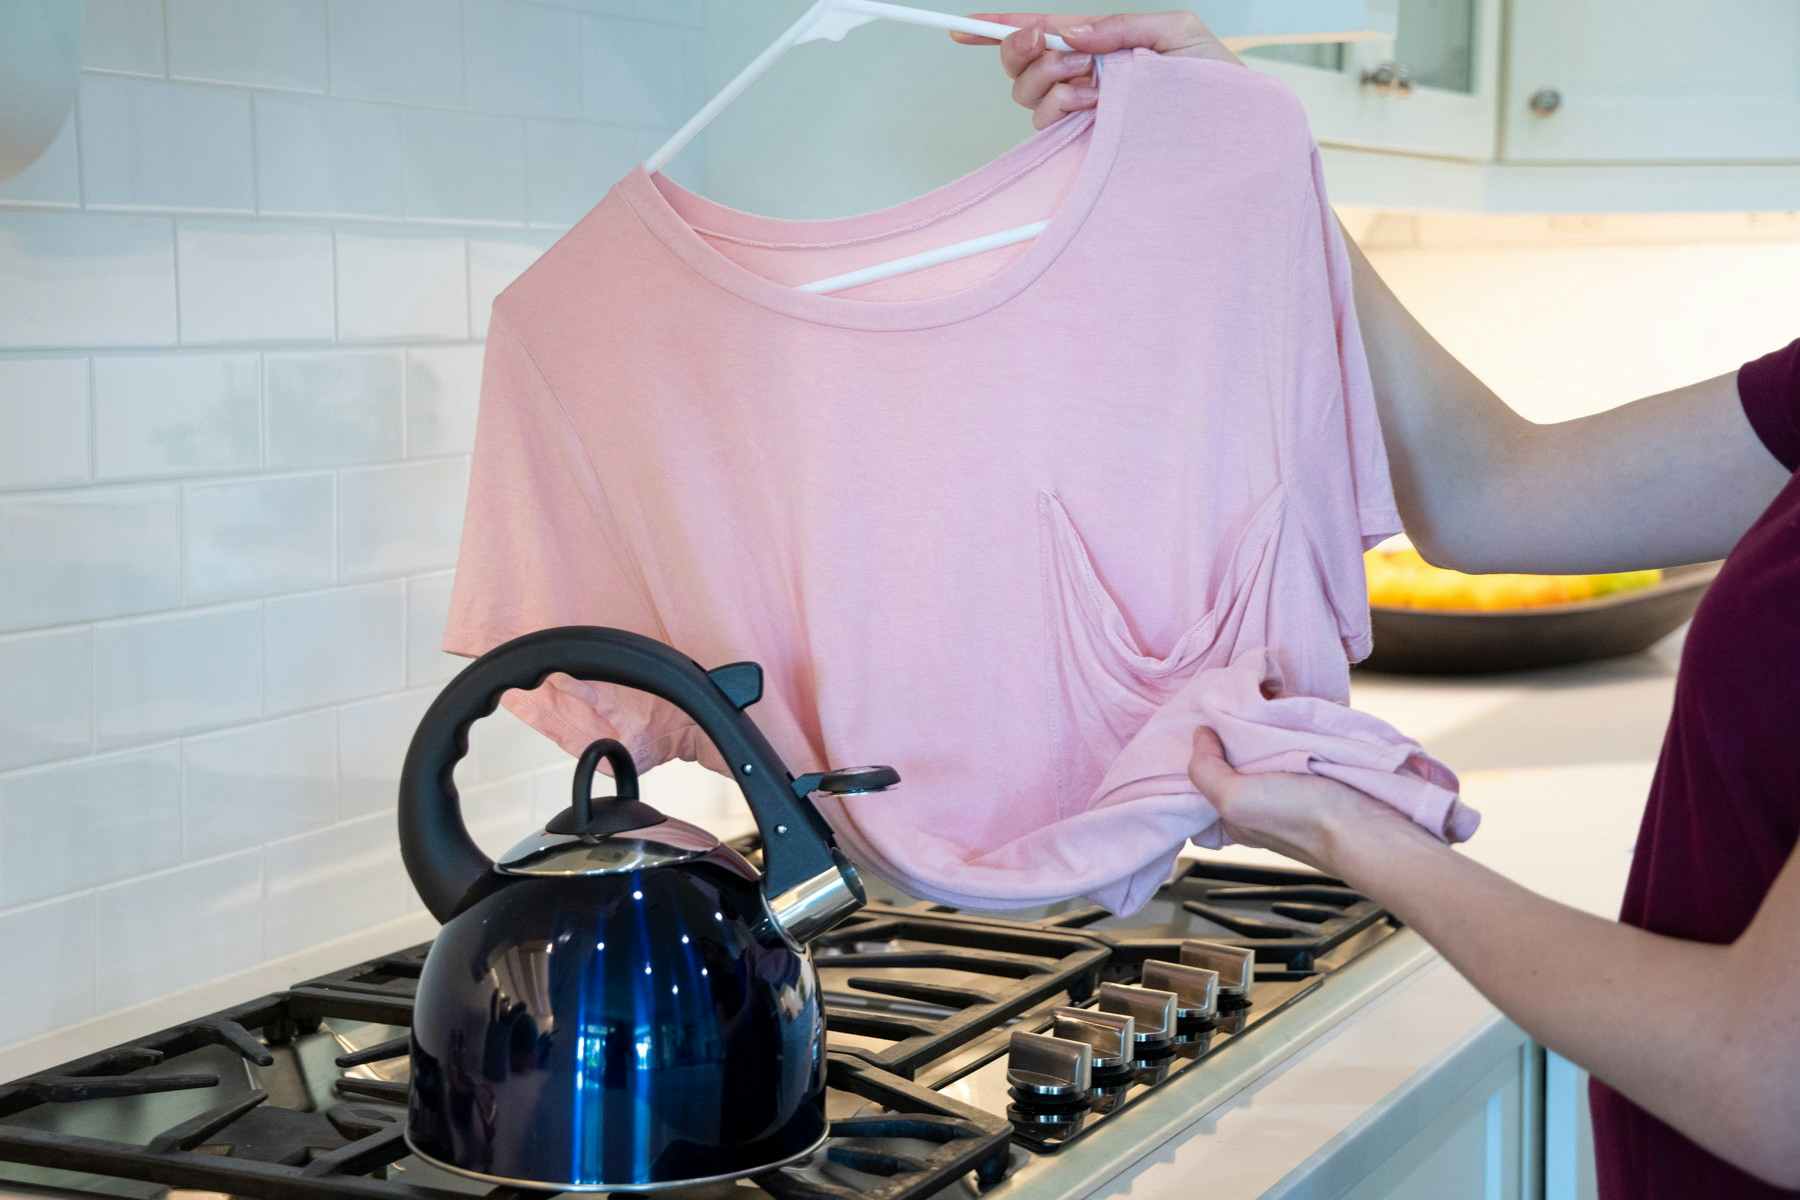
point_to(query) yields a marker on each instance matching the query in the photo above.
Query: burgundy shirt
(1724, 811)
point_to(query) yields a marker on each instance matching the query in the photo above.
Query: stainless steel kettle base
(669, 1185)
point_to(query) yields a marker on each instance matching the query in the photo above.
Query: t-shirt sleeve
(1769, 388)
(1348, 496)
(539, 549)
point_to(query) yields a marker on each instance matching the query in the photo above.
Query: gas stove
(969, 1053)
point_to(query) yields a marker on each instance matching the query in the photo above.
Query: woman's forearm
(1670, 479)
(1694, 1033)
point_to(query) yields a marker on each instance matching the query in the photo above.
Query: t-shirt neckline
(672, 213)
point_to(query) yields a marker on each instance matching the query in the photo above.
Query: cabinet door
(1568, 1132)
(1429, 89)
(1653, 81)
(1478, 1148)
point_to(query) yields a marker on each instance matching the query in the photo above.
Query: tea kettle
(621, 1003)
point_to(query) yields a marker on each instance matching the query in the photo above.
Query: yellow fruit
(1401, 578)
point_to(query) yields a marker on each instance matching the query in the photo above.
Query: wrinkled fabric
(1121, 848)
(982, 521)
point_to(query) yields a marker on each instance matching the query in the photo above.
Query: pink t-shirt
(981, 521)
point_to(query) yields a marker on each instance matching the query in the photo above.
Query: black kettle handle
(445, 863)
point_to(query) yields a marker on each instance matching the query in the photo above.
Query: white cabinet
(1431, 89)
(1568, 1132)
(1470, 1129)
(1615, 81)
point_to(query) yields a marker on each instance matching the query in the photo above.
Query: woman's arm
(1705, 1037)
(1674, 478)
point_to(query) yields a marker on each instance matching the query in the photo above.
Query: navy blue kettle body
(621, 1003)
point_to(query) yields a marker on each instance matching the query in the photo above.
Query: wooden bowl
(1414, 641)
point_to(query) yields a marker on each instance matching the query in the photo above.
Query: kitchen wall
(1565, 316)
(241, 309)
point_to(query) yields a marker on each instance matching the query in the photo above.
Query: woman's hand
(1316, 820)
(1054, 83)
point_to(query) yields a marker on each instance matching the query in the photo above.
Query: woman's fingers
(1208, 770)
(1033, 84)
(1061, 100)
(1179, 33)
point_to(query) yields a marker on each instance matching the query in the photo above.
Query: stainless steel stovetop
(1033, 1049)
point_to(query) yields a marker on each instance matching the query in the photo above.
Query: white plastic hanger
(830, 20)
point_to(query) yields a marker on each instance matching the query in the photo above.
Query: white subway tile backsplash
(372, 739)
(638, 73)
(495, 262)
(182, 423)
(75, 826)
(43, 421)
(148, 143)
(406, 50)
(569, 165)
(78, 556)
(499, 814)
(53, 180)
(254, 537)
(427, 609)
(86, 279)
(161, 676)
(464, 166)
(265, 43)
(323, 647)
(329, 884)
(334, 407)
(323, 157)
(401, 285)
(46, 706)
(52, 945)
(399, 519)
(175, 414)
(523, 58)
(259, 783)
(502, 746)
(255, 281)
(443, 393)
(143, 961)
(122, 35)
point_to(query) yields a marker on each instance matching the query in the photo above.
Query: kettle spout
(814, 905)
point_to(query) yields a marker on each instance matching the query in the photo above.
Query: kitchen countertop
(1558, 762)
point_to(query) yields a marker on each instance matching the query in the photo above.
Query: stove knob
(1152, 1012)
(1111, 1036)
(1048, 1068)
(1196, 988)
(1235, 964)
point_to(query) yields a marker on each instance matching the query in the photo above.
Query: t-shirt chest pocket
(1108, 683)
(1104, 682)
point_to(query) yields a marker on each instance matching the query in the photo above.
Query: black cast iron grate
(1291, 918)
(1003, 971)
(247, 1146)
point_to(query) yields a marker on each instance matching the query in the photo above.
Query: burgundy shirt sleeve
(1770, 390)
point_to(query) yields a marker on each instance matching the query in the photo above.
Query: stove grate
(250, 1147)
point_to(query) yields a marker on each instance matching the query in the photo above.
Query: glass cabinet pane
(1435, 42)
